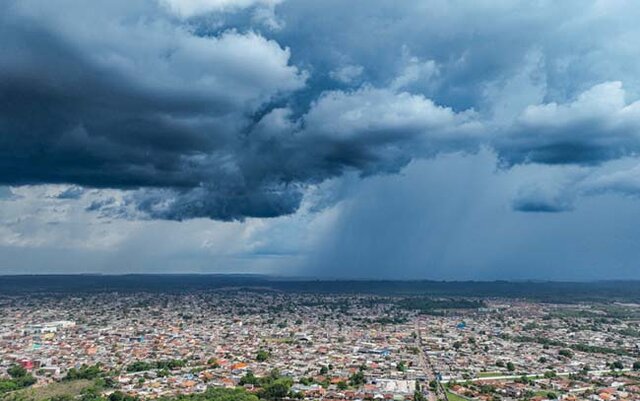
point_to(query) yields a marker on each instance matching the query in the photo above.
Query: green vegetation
(418, 395)
(119, 396)
(140, 366)
(16, 371)
(272, 387)
(389, 320)
(451, 396)
(262, 356)
(357, 379)
(490, 374)
(567, 353)
(432, 306)
(20, 378)
(84, 372)
(55, 391)
(576, 347)
(604, 313)
(215, 394)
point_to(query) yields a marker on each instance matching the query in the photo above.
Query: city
(287, 345)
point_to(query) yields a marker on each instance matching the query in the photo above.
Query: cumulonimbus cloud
(599, 125)
(210, 122)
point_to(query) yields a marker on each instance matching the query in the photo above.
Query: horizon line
(311, 278)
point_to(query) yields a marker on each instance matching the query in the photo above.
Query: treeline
(388, 320)
(429, 305)
(18, 378)
(271, 387)
(216, 394)
(171, 364)
(557, 292)
(212, 394)
(86, 372)
(577, 347)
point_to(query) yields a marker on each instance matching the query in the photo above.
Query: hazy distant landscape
(550, 291)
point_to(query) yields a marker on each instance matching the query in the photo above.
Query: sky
(430, 139)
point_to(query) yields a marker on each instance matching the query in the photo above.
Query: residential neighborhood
(334, 347)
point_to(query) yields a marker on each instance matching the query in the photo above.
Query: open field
(70, 388)
(489, 374)
(455, 397)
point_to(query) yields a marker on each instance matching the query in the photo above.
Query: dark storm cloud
(231, 111)
(596, 127)
(535, 204)
(175, 121)
(69, 118)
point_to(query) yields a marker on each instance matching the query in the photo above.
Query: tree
(262, 356)
(16, 371)
(120, 396)
(25, 381)
(62, 397)
(138, 366)
(225, 394)
(636, 365)
(418, 395)
(277, 389)
(306, 381)
(342, 385)
(617, 365)
(84, 372)
(7, 385)
(357, 379)
(249, 378)
(487, 389)
(566, 353)
(511, 367)
(19, 379)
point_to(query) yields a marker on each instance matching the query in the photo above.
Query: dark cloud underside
(233, 112)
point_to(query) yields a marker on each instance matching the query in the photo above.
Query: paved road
(428, 369)
(533, 376)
